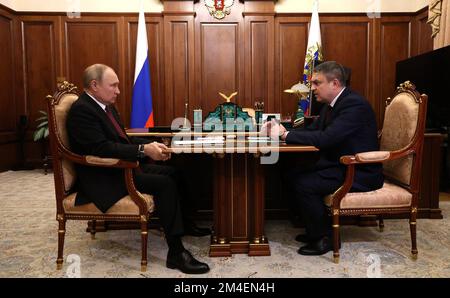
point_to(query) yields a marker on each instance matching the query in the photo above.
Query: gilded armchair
(135, 207)
(401, 144)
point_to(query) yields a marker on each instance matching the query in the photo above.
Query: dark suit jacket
(352, 129)
(92, 133)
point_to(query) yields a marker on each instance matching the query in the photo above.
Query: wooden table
(238, 190)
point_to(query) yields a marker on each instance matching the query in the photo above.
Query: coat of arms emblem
(219, 8)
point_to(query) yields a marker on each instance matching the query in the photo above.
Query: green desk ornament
(228, 116)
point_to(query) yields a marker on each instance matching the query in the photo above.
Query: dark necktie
(115, 123)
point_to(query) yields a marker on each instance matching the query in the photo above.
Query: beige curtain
(439, 19)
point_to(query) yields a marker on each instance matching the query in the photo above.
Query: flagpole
(310, 90)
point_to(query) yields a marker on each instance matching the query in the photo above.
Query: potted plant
(41, 131)
(41, 134)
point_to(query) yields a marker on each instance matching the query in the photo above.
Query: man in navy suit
(94, 128)
(346, 126)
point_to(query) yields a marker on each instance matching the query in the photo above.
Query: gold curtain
(439, 19)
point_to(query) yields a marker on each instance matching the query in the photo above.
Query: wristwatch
(141, 153)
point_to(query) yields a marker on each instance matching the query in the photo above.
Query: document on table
(205, 140)
(259, 139)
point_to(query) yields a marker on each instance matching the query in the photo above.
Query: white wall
(8, 3)
(84, 5)
(157, 6)
(422, 3)
(352, 5)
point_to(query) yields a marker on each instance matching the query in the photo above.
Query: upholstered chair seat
(125, 206)
(390, 195)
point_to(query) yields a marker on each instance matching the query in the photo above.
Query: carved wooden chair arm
(375, 156)
(91, 160)
(364, 158)
(128, 166)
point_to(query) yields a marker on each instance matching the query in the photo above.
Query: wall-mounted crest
(219, 8)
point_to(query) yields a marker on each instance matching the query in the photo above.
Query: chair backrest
(403, 128)
(58, 107)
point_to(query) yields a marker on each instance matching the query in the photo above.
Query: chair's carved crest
(410, 88)
(62, 87)
(406, 86)
(66, 87)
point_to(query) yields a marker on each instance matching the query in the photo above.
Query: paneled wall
(9, 100)
(254, 51)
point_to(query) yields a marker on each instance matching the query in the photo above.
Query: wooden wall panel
(41, 59)
(347, 41)
(40, 56)
(395, 45)
(7, 99)
(425, 42)
(90, 40)
(291, 35)
(259, 57)
(219, 63)
(8, 102)
(10, 156)
(179, 75)
(219, 58)
(156, 60)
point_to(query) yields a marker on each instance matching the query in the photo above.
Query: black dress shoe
(317, 248)
(186, 263)
(302, 238)
(193, 230)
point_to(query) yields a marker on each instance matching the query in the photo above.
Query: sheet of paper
(259, 139)
(193, 142)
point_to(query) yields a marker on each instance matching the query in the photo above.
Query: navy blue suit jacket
(92, 133)
(352, 129)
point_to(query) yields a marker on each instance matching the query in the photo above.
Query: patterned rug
(28, 245)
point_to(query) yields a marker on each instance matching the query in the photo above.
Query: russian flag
(142, 106)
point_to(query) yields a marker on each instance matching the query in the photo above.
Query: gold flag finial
(228, 98)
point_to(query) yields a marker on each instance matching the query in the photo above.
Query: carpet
(28, 245)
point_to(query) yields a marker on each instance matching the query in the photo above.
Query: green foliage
(41, 131)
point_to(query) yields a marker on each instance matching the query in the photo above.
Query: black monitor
(430, 72)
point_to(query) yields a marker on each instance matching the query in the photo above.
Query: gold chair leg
(336, 258)
(144, 239)
(61, 235)
(412, 228)
(336, 236)
(143, 267)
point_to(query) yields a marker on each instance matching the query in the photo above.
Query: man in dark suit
(94, 128)
(346, 126)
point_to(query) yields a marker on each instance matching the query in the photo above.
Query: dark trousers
(309, 189)
(162, 182)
